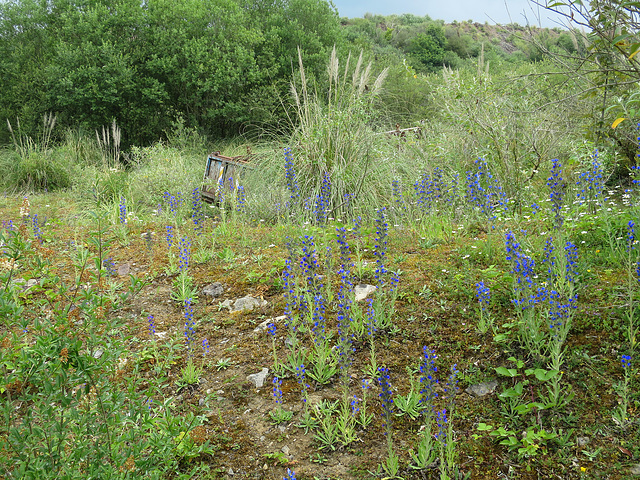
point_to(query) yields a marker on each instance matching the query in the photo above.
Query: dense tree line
(213, 65)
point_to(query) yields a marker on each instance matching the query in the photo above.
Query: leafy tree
(457, 42)
(203, 54)
(144, 64)
(609, 70)
(285, 25)
(25, 48)
(427, 49)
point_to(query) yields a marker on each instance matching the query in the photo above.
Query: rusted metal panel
(219, 172)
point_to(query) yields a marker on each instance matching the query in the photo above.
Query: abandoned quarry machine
(222, 173)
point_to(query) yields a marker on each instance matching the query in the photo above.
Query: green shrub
(35, 171)
(34, 165)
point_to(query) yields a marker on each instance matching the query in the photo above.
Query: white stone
(258, 378)
(362, 291)
(263, 326)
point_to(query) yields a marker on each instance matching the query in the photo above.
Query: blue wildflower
(483, 294)
(152, 326)
(548, 257)
(451, 388)
(36, 228)
(123, 210)
(185, 254)
(242, 200)
(271, 328)
(290, 175)
(189, 323)
(428, 381)
(354, 406)
(109, 266)
(571, 256)
(277, 390)
(380, 245)
(590, 182)
(301, 376)
(345, 253)
(309, 263)
(323, 200)
(441, 420)
(148, 240)
(535, 208)
(385, 395)
(318, 319)
(371, 319)
(345, 345)
(169, 235)
(398, 199)
(626, 361)
(197, 213)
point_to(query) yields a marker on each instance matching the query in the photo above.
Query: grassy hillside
(500, 340)
(478, 183)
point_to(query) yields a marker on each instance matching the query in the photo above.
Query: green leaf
(500, 338)
(524, 409)
(514, 392)
(544, 375)
(483, 427)
(620, 38)
(506, 372)
(510, 442)
(502, 432)
(491, 272)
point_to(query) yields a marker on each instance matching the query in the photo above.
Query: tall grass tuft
(33, 165)
(333, 138)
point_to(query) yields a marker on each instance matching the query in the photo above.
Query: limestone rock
(259, 378)
(362, 291)
(247, 303)
(213, 290)
(482, 389)
(264, 325)
(124, 269)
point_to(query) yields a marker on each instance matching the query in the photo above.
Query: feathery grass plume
(25, 144)
(109, 144)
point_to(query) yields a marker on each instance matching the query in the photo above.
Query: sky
(492, 11)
